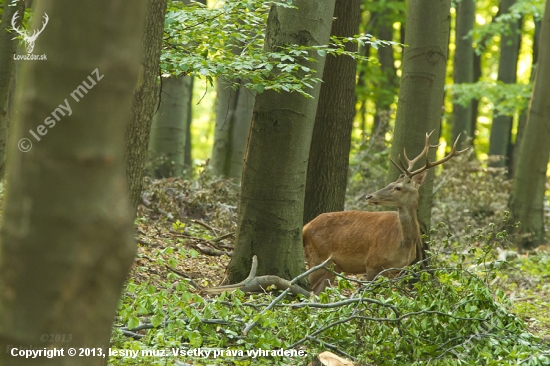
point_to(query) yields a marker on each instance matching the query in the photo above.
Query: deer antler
(424, 152)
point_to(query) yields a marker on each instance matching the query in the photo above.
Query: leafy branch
(228, 42)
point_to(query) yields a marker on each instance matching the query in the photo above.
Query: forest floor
(185, 228)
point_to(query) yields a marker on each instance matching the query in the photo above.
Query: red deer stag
(369, 242)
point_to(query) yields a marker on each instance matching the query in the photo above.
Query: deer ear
(420, 178)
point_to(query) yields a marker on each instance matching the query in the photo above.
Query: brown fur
(366, 242)
(369, 242)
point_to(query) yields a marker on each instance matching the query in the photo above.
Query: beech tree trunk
(187, 153)
(327, 170)
(8, 46)
(501, 129)
(169, 127)
(463, 67)
(233, 117)
(523, 116)
(274, 176)
(67, 236)
(527, 198)
(145, 100)
(240, 131)
(422, 87)
(388, 87)
(226, 103)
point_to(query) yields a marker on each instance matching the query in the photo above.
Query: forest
(286, 182)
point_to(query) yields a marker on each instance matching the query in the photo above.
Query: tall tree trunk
(240, 129)
(501, 129)
(523, 116)
(7, 50)
(67, 236)
(362, 94)
(463, 67)
(475, 102)
(145, 100)
(327, 170)
(226, 103)
(274, 175)
(187, 154)
(421, 92)
(168, 130)
(527, 198)
(233, 116)
(389, 82)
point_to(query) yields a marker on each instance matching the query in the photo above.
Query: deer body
(367, 243)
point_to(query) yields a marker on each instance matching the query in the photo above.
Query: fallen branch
(259, 284)
(183, 274)
(205, 225)
(225, 236)
(212, 251)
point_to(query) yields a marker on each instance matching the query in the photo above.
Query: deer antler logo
(29, 39)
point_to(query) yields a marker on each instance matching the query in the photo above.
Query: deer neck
(408, 218)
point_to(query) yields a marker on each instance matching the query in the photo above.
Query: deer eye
(398, 188)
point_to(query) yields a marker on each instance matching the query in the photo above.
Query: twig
(212, 251)
(225, 236)
(182, 274)
(143, 242)
(203, 224)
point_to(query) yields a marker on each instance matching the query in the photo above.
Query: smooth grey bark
(463, 67)
(523, 116)
(67, 237)
(388, 87)
(188, 156)
(274, 175)
(527, 198)
(145, 100)
(8, 46)
(240, 129)
(233, 117)
(362, 95)
(475, 102)
(226, 103)
(501, 129)
(421, 91)
(327, 169)
(169, 127)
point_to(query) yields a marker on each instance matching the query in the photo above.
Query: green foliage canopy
(227, 41)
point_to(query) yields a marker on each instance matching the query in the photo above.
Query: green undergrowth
(448, 316)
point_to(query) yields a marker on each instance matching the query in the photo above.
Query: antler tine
(424, 152)
(397, 166)
(441, 161)
(405, 170)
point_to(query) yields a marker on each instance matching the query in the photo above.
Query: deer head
(404, 191)
(29, 39)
